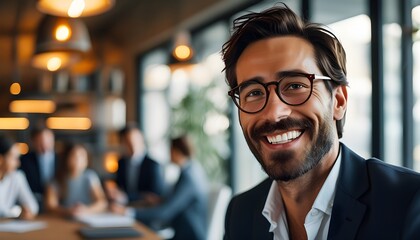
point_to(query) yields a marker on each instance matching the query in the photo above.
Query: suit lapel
(348, 211)
(260, 224)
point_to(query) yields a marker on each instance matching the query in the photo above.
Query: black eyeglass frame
(310, 76)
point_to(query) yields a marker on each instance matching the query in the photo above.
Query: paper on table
(106, 220)
(20, 226)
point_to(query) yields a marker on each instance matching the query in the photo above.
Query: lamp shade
(60, 42)
(74, 8)
(182, 54)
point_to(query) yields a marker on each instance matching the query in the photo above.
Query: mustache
(283, 124)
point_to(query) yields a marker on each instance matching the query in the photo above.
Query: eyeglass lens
(252, 96)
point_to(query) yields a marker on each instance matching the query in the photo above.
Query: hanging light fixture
(182, 52)
(60, 42)
(74, 8)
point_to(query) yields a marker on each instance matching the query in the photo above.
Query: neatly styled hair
(281, 21)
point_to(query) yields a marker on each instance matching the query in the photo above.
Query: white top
(317, 221)
(14, 188)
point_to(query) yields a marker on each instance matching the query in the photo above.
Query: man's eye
(255, 93)
(294, 86)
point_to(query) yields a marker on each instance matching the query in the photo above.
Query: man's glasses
(293, 88)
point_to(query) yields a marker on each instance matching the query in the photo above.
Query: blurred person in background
(40, 164)
(185, 208)
(138, 177)
(14, 187)
(76, 189)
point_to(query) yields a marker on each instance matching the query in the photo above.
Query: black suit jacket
(30, 166)
(373, 200)
(150, 178)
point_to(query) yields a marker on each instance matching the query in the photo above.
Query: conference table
(67, 229)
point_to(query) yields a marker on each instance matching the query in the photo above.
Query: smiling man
(288, 80)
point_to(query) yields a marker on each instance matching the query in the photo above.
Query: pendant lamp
(60, 42)
(182, 52)
(74, 8)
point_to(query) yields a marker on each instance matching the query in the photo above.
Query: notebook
(109, 232)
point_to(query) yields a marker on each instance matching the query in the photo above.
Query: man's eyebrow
(257, 79)
(278, 75)
(283, 74)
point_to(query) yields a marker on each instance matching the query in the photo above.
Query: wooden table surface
(65, 229)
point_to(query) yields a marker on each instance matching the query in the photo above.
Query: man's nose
(276, 109)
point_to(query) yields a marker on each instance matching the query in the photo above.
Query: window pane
(341, 16)
(154, 110)
(416, 86)
(392, 84)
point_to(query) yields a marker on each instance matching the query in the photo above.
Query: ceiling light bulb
(54, 64)
(76, 8)
(182, 52)
(15, 88)
(63, 33)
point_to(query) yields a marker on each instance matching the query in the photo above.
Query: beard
(283, 165)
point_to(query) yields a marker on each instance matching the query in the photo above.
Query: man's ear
(340, 102)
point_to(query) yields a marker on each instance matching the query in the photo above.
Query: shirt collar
(137, 159)
(325, 199)
(273, 209)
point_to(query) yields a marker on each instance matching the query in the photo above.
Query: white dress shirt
(133, 172)
(46, 164)
(317, 220)
(15, 188)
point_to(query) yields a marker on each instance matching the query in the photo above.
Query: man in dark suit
(40, 164)
(138, 176)
(288, 80)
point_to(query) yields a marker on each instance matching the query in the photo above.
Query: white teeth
(283, 138)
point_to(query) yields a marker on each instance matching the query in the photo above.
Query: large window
(188, 99)
(416, 84)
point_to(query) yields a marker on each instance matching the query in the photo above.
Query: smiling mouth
(284, 137)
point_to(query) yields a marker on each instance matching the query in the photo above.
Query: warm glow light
(62, 33)
(14, 123)
(182, 52)
(69, 123)
(32, 106)
(23, 148)
(54, 64)
(63, 59)
(111, 162)
(76, 8)
(15, 88)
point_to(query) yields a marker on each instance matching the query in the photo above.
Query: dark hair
(281, 21)
(62, 173)
(183, 144)
(38, 130)
(5, 144)
(128, 128)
